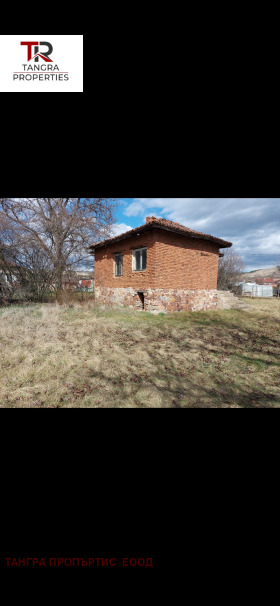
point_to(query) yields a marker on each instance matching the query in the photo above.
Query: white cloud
(119, 228)
(251, 224)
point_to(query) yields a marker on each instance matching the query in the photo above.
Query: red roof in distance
(266, 280)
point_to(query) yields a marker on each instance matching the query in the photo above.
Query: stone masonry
(158, 300)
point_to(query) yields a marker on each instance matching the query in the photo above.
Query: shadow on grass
(219, 335)
(182, 395)
(192, 360)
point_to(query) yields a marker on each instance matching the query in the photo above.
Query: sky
(251, 224)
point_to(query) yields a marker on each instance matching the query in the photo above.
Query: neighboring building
(159, 266)
(85, 285)
(271, 281)
(274, 282)
(252, 289)
(77, 281)
(8, 271)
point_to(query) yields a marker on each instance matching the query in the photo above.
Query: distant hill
(268, 272)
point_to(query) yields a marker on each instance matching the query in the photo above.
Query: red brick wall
(173, 261)
(104, 263)
(183, 262)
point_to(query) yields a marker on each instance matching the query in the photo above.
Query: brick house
(161, 266)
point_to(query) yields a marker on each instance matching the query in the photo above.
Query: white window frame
(134, 258)
(115, 265)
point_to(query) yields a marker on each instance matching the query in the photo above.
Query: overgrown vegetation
(42, 240)
(85, 356)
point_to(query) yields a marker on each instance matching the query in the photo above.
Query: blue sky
(251, 224)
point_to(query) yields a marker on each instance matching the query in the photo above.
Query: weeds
(77, 355)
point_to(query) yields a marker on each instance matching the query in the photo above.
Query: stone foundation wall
(158, 300)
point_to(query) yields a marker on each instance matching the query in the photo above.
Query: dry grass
(85, 356)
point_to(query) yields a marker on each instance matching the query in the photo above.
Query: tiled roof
(152, 222)
(266, 280)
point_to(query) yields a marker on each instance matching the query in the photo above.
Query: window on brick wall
(119, 265)
(139, 259)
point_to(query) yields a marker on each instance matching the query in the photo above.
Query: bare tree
(231, 266)
(6, 276)
(60, 228)
(6, 289)
(26, 274)
(34, 274)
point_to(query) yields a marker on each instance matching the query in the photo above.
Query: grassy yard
(83, 356)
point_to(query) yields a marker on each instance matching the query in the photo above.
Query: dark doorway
(142, 299)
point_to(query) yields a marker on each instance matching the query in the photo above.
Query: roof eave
(128, 234)
(149, 226)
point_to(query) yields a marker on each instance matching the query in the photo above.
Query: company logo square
(42, 64)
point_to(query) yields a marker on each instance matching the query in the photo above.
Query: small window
(139, 259)
(119, 265)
